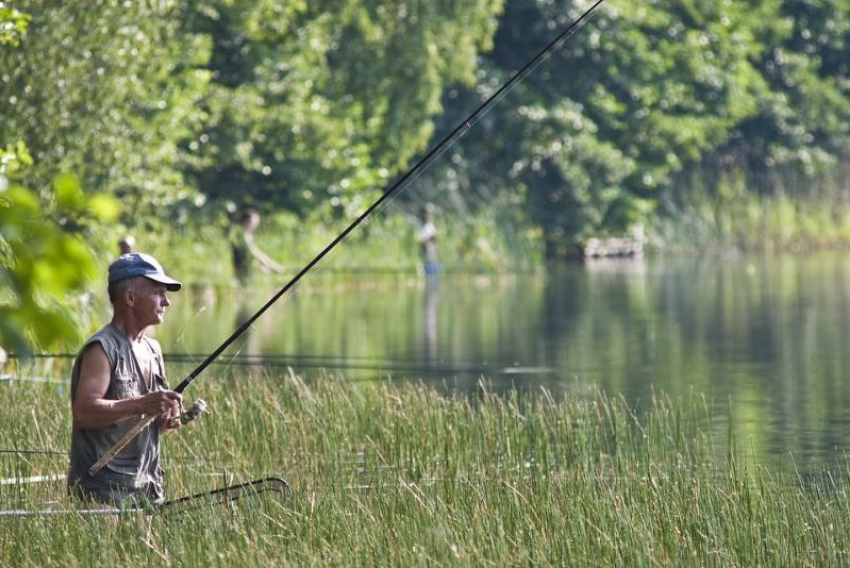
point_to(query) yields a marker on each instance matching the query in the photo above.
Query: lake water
(762, 338)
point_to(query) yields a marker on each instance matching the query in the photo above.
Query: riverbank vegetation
(185, 113)
(402, 474)
(799, 214)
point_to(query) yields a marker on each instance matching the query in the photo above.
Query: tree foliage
(643, 94)
(13, 25)
(43, 256)
(316, 105)
(108, 90)
(803, 119)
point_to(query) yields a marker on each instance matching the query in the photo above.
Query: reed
(729, 211)
(402, 474)
(200, 253)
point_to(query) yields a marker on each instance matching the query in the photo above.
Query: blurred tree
(13, 25)
(316, 104)
(587, 141)
(43, 256)
(802, 123)
(108, 90)
(640, 98)
(42, 261)
(313, 106)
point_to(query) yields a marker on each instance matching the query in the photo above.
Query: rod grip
(132, 433)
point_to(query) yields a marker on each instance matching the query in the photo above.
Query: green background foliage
(653, 117)
(647, 96)
(44, 259)
(13, 25)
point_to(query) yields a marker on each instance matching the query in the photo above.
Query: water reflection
(762, 338)
(431, 296)
(247, 343)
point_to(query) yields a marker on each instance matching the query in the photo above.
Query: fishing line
(450, 369)
(283, 358)
(389, 194)
(401, 183)
(423, 367)
(279, 359)
(181, 336)
(451, 139)
(35, 451)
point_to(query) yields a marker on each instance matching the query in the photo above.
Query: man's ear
(129, 297)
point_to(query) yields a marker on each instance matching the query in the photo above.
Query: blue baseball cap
(137, 264)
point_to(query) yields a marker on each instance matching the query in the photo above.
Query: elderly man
(118, 376)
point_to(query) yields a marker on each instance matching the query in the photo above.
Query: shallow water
(762, 338)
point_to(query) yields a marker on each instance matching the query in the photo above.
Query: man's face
(251, 222)
(150, 301)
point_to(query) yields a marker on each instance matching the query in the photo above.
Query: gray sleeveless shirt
(134, 472)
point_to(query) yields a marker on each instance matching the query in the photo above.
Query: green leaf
(105, 208)
(69, 194)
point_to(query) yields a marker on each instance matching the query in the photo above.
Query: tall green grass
(401, 474)
(199, 251)
(798, 213)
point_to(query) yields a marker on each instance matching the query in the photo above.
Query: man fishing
(245, 250)
(118, 377)
(131, 466)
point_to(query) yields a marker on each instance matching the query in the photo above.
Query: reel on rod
(198, 407)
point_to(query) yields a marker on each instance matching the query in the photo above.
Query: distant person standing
(127, 245)
(427, 239)
(245, 251)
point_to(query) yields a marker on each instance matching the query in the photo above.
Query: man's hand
(166, 405)
(171, 419)
(91, 410)
(160, 403)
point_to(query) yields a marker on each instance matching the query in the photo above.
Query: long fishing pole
(463, 126)
(408, 176)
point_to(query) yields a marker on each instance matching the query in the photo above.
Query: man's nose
(165, 300)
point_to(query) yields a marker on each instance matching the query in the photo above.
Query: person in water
(119, 376)
(427, 239)
(246, 252)
(126, 245)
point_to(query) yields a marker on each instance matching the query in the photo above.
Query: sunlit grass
(731, 216)
(404, 474)
(386, 243)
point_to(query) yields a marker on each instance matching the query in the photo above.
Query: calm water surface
(762, 338)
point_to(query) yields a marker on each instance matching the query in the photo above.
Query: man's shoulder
(104, 334)
(94, 352)
(111, 340)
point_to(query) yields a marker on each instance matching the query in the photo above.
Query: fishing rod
(409, 176)
(176, 507)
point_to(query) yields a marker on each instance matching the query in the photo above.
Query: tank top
(135, 469)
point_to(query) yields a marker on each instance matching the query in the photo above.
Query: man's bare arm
(266, 263)
(91, 410)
